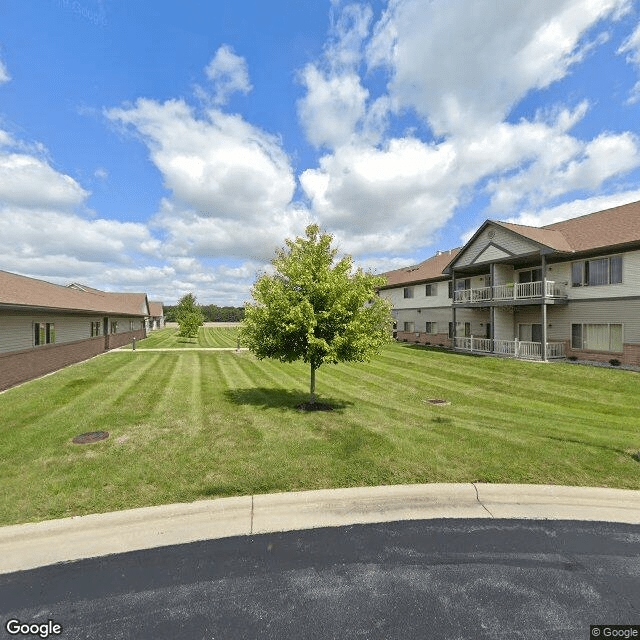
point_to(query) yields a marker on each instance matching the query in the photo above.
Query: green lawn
(192, 425)
(207, 337)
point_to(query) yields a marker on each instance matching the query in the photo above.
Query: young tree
(315, 310)
(189, 316)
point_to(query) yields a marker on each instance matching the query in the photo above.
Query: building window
(131, 325)
(408, 292)
(451, 331)
(600, 271)
(114, 326)
(431, 327)
(409, 327)
(461, 284)
(530, 275)
(95, 329)
(597, 337)
(44, 333)
(430, 289)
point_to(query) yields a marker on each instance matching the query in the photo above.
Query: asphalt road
(448, 579)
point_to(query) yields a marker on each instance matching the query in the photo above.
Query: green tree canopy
(314, 309)
(189, 316)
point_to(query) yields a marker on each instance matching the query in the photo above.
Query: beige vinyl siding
(476, 317)
(625, 312)
(527, 315)
(503, 274)
(504, 239)
(419, 299)
(16, 330)
(504, 328)
(630, 285)
(123, 324)
(15, 333)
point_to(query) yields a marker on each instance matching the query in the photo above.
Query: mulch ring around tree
(314, 406)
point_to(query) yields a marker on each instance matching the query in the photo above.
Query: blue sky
(170, 147)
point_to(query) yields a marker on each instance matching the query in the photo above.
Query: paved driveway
(442, 578)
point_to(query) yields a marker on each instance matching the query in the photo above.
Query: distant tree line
(211, 313)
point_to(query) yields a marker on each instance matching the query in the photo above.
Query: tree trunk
(312, 394)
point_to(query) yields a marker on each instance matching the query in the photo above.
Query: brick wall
(115, 340)
(630, 354)
(20, 366)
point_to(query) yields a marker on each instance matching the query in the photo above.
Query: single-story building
(156, 317)
(45, 326)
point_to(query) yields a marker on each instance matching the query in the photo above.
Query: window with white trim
(95, 328)
(408, 292)
(410, 327)
(431, 327)
(430, 289)
(597, 272)
(597, 337)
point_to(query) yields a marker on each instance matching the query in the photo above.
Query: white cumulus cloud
(229, 74)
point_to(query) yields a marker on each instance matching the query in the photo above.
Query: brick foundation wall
(424, 338)
(630, 354)
(20, 366)
(115, 340)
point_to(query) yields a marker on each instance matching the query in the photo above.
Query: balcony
(508, 292)
(510, 348)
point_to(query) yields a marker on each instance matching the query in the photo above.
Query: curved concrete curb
(27, 546)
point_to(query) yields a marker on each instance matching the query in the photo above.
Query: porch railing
(515, 348)
(517, 291)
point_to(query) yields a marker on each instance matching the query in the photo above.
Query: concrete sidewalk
(27, 546)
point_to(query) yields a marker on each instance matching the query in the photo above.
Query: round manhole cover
(92, 436)
(437, 401)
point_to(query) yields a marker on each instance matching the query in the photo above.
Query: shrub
(614, 362)
(572, 358)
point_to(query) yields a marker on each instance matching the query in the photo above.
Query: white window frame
(407, 293)
(431, 328)
(585, 279)
(582, 347)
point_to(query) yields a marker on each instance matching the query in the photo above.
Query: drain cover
(437, 401)
(92, 436)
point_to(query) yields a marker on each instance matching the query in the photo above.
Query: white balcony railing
(515, 348)
(518, 291)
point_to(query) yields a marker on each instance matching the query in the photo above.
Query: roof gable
(491, 234)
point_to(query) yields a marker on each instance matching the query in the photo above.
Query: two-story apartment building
(44, 326)
(567, 289)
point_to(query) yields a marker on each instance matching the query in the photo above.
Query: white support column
(544, 309)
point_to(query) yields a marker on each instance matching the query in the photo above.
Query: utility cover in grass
(91, 436)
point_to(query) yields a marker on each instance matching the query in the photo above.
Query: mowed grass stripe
(206, 424)
(208, 337)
